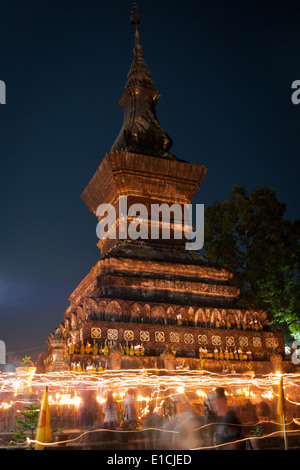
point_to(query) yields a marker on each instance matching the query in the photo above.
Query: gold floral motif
(95, 333)
(159, 336)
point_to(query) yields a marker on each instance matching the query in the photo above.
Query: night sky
(224, 70)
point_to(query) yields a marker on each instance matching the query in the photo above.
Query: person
(263, 411)
(110, 412)
(211, 417)
(153, 421)
(186, 428)
(87, 409)
(228, 429)
(209, 413)
(131, 415)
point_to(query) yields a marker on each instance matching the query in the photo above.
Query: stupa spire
(138, 74)
(141, 132)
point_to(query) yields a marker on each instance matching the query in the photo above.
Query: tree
(26, 427)
(249, 235)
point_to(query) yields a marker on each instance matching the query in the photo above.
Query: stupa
(153, 303)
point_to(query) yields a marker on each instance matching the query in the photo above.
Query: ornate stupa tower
(154, 296)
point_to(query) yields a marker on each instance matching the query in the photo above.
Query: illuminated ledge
(113, 265)
(165, 268)
(111, 283)
(125, 173)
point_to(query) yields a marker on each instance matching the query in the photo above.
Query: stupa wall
(184, 340)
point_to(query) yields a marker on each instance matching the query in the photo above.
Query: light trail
(275, 433)
(187, 383)
(231, 443)
(184, 390)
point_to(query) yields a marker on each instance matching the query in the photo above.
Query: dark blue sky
(224, 70)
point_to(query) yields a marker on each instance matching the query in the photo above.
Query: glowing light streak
(231, 443)
(158, 384)
(64, 399)
(168, 431)
(152, 386)
(5, 406)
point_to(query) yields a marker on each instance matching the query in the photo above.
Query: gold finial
(135, 17)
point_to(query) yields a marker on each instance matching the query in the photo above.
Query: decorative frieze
(216, 340)
(186, 341)
(230, 342)
(256, 341)
(188, 338)
(269, 342)
(243, 340)
(144, 336)
(128, 335)
(202, 339)
(96, 333)
(174, 337)
(112, 334)
(159, 336)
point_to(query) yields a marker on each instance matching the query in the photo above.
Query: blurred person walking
(211, 417)
(228, 427)
(130, 408)
(111, 410)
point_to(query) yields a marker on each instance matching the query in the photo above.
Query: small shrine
(153, 303)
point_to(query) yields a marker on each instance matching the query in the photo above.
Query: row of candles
(226, 355)
(104, 348)
(139, 350)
